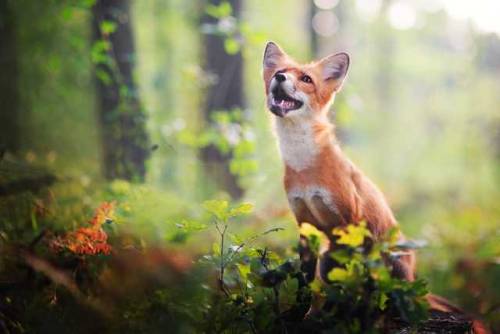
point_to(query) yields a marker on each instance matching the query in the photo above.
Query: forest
(141, 183)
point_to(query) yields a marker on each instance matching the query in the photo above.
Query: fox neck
(301, 140)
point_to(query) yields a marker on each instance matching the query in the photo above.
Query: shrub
(261, 292)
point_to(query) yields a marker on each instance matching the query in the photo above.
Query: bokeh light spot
(402, 15)
(326, 4)
(325, 23)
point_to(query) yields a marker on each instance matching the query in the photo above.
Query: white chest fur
(297, 145)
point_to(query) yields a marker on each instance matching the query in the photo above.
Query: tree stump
(438, 323)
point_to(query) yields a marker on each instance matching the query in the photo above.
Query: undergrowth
(100, 275)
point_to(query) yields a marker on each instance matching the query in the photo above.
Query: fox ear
(273, 55)
(335, 67)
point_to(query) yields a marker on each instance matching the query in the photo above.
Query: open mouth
(281, 103)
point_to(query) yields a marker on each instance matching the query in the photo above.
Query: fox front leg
(308, 258)
(403, 266)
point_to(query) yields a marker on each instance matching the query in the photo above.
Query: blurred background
(159, 105)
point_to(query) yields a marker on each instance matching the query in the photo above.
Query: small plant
(362, 296)
(263, 293)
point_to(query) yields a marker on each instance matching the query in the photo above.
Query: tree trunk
(225, 94)
(9, 96)
(313, 36)
(123, 122)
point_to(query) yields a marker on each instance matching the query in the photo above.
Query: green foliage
(235, 33)
(231, 134)
(352, 236)
(224, 9)
(258, 290)
(221, 210)
(362, 292)
(264, 293)
(107, 27)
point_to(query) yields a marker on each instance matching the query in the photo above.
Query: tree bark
(225, 94)
(123, 122)
(9, 94)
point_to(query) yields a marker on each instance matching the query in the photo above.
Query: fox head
(302, 90)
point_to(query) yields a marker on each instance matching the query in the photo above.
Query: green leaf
(382, 302)
(355, 268)
(216, 248)
(222, 10)
(107, 27)
(242, 209)
(309, 230)
(375, 253)
(353, 235)
(383, 276)
(103, 76)
(191, 226)
(316, 285)
(272, 230)
(178, 237)
(419, 286)
(231, 46)
(288, 293)
(221, 117)
(314, 236)
(342, 256)
(218, 208)
(124, 91)
(244, 147)
(99, 52)
(244, 270)
(222, 144)
(338, 274)
(225, 9)
(235, 239)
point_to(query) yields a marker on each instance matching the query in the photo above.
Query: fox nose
(280, 77)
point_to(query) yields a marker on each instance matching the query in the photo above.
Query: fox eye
(305, 78)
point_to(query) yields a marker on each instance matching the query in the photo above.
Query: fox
(323, 186)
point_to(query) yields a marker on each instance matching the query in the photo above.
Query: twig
(37, 239)
(61, 278)
(276, 304)
(252, 239)
(222, 265)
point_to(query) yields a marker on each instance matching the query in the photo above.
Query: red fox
(324, 188)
